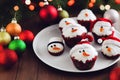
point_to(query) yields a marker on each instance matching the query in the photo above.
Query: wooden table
(29, 67)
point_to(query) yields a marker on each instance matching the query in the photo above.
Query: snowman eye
(106, 46)
(54, 45)
(101, 27)
(83, 50)
(72, 28)
(51, 46)
(79, 51)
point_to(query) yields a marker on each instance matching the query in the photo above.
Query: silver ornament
(112, 15)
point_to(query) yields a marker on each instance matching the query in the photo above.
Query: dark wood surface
(29, 67)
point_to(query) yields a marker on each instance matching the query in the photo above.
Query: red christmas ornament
(1, 47)
(26, 36)
(117, 1)
(115, 74)
(48, 13)
(8, 58)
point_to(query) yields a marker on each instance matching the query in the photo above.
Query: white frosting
(62, 23)
(77, 52)
(113, 44)
(58, 45)
(56, 39)
(83, 17)
(106, 26)
(67, 31)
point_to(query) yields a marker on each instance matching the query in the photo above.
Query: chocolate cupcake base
(84, 66)
(111, 57)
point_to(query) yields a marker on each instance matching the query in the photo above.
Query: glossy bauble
(26, 36)
(115, 74)
(5, 38)
(1, 47)
(8, 58)
(112, 15)
(13, 28)
(48, 13)
(63, 14)
(18, 45)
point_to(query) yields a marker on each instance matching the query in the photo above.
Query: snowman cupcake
(86, 17)
(83, 55)
(101, 28)
(55, 46)
(111, 47)
(65, 22)
(73, 34)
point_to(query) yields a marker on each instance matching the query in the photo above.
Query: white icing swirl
(53, 45)
(113, 45)
(67, 31)
(86, 15)
(63, 24)
(106, 26)
(77, 52)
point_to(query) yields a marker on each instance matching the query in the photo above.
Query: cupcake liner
(84, 66)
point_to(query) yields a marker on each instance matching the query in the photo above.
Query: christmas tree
(29, 8)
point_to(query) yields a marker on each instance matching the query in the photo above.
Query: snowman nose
(101, 29)
(109, 49)
(86, 14)
(74, 30)
(56, 48)
(85, 54)
(67, 23)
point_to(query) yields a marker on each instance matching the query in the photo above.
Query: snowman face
(73, 31)
(55, 47)
(84, 52)
(110, 49)
(66, 22)
(102, 28)
(86, 15)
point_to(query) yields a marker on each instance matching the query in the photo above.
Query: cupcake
(55, 46)
(86, 17)
(73, 34)
(83, 55)
(111, 47)
(65, 22)
(101, 28)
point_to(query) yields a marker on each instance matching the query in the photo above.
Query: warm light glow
(27, 2)
(16, 7)
(50, 0)
(90, 5)
(41, 4)
(92, 1)
(31, 7)
(71, 2)
(107, 7)
(117, 1)
(102, 7)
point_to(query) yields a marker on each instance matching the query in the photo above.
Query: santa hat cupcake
(101, 28)
(55, 46)
(83, 55)
(111, 47)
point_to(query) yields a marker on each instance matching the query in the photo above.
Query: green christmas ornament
(17, 45)
(62, 13)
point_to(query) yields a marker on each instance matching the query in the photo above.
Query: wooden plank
(48, 73)
(28, 66)
(9, 74)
